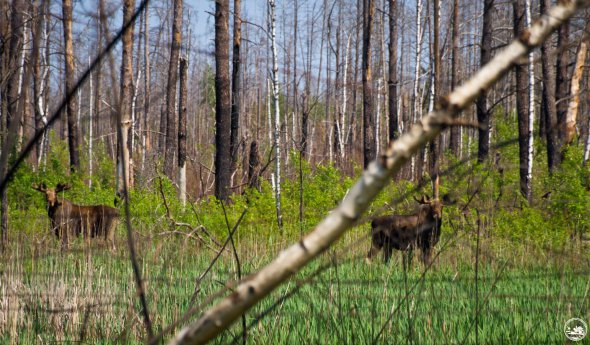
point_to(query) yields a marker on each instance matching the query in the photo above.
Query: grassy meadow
(505, 272)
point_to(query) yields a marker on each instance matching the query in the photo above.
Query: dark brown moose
(69, 219)
(405, 232)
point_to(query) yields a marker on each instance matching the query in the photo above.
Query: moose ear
(62, 186)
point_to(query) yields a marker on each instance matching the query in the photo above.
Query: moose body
(69, 219)
(406, 232)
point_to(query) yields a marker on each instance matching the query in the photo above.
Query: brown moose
(69, 219)
(405, 232)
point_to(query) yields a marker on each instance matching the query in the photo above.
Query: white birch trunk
(531, 100)
(275, 99)
(417, 113)
(90, 110)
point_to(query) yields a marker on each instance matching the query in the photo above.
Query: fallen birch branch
(257, 286)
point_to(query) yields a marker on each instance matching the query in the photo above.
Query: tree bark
(483, 113)
(522, 103)
(70, 81)
(275, 100)
(235, 86)
(369, 149)
(171, 113)
(574, 104)
(455, 137)
(393, 122)
(182, 131)
(548, 99)
(561, 85)
(222, 101)
(124, 115)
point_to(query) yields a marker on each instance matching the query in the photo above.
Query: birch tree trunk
(182, 131)
(522, 104)
(417, 107)
(275, 101)
(531, 118)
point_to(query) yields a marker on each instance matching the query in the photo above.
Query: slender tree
(455, 137)
(182, 130)
(124, 116)
(561, 85)
(222, 101)
(235, 85)
(393, 122)
(171, 113)
(369, 149)
(483, 113)
(548, 98)
(275, 101)
(522, 103)
(70, 80)
(575, 90)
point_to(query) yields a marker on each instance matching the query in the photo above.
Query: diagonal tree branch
(375, 177)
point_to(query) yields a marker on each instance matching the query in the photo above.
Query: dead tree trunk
(456, 132)
(574, 104)
(483, 113)
(171, 113)
(222, 101)
(369, 149)
(393, 122)
(548, 99)
(182, 101)
(124, 114)
(235, 87)
(70, 81)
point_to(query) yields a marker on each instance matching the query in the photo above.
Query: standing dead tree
(377, 175)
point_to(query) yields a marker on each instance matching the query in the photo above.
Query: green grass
(525, 294)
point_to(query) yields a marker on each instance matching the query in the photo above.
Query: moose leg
(376, 244)
(387, 250)
(426, 252)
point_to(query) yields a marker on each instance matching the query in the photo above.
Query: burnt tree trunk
(369, 149)
(483, 113)
(171, 114)
(235, 86)
(222, 101)
(455, 140)
(548, 99)
(561, 85)
(393, 123)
